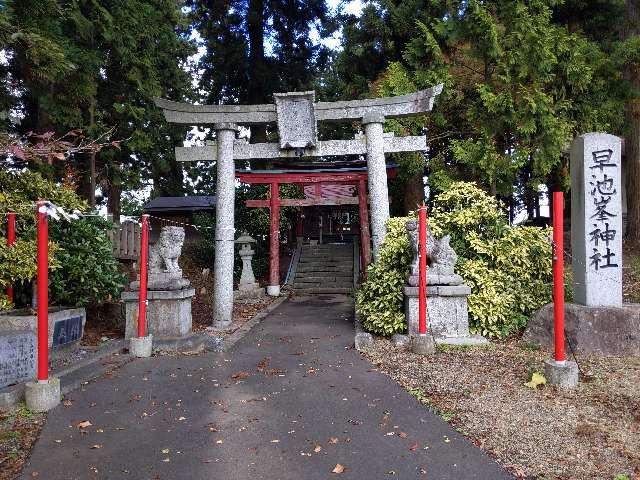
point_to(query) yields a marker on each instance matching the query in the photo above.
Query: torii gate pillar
(225, 231)
(378, 193)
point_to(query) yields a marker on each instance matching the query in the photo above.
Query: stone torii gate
(296, 115)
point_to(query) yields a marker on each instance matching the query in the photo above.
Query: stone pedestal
(168, 312)
(447, 314)
(66, 325)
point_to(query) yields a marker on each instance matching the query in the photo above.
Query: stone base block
(423, 344)
(363, 341)
(591, 330)
(400, 340)
(273, 290)
(447, 313)
(168, 312)
(562, 374)
(42, 397)
(141, 347)
(11, 396)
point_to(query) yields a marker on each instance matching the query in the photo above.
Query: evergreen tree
(632, 119)
(257, 47)
(518, 87)
(96, 65)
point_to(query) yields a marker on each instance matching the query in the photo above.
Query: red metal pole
(274, 235)
(558, 276)
(11, 239)
(142, 298)
(43, 292)
(422, 279)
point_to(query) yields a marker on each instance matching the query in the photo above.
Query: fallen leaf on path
(317, 449)
(93, 447)
(402, 435)
(165, 450)
(241, 375)
(333, 440)
(84, 424)
(413, 447)
(275, 441)
(338, 468)
(67, 403)
(537, 380)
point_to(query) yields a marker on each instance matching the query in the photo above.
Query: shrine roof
(192, 203)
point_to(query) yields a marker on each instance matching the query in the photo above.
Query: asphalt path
(291, 400)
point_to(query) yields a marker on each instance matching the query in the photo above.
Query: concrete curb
(232, 339)
(71, 377)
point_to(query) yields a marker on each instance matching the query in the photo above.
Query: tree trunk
(113, 201)
(92, 155)
(257, 65)
(632, 121)
(413, 192)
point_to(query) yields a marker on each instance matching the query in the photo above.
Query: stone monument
(247, 287)
(596, 322)
(18, 356)
(66, 325)
(447, 312)
(169, 293)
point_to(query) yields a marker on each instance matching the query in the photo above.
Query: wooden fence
(126, 241)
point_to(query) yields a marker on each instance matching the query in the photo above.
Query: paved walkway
(309, 402)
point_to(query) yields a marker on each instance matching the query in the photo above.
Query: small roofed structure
(177, 211)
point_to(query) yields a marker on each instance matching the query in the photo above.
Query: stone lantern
(248, 287)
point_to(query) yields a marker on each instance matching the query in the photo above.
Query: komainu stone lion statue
(441, 258)
(164, 271)
(164, 255)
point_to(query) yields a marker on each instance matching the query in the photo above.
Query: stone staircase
(326, 268)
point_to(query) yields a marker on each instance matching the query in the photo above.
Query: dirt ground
(544, 433)
(19, 430)
(202, 304)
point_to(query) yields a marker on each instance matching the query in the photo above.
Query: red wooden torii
(274, 178)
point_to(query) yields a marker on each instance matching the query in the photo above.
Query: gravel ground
(590, 433)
